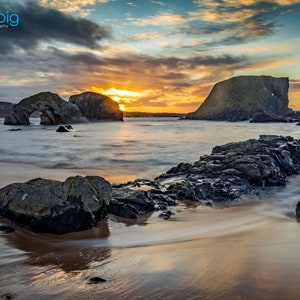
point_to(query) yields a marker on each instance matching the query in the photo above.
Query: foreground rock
(244, 97)
(227, 174)
(97, 107)
(77, 204)
(54, 110)
(235, 169)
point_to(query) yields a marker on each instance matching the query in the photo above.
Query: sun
(122, 107)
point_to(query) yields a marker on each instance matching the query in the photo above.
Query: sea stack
(97, 107)
(244, 97)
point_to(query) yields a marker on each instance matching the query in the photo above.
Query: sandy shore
(242, 252)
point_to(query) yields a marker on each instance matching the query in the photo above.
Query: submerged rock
(76, 204)
(298, 210)
(242, 97)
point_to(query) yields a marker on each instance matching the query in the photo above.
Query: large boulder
(54, 110)
(97, 107)
(242, 97)
(78, 203)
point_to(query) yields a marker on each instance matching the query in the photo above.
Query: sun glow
(123, 97)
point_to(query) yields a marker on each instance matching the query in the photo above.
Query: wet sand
(248, 251)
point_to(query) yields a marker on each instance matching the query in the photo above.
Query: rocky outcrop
(243, 97)
(76, 204)
(97, 107)
(227, 174)
(235, 169)
(54, 110)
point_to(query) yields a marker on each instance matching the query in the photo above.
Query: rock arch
(54, 110)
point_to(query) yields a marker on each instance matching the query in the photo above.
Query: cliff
(244, 97)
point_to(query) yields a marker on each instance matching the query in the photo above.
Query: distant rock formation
(243, 97)
(97, 107)
(54, 110)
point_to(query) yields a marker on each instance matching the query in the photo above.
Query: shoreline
(20, 172)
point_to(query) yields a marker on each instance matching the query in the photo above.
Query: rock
(6, 228)
(54, 110)
(242, 97)
(124, 210)
(97, 107)
(15, 129)
(166, 215)
(64, 128)
(8, 296)
(267, 117)
(97, 280)
(298, 210)
(78, 203)
(235, 169)
(137, 198)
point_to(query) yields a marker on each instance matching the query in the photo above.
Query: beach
(245, 250)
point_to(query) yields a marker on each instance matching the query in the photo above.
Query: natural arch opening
(35, 118)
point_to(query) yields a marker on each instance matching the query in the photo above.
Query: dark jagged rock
(54, 110)
(76, 204)
(267, 117)
(228, 173)
(64, 128)
(97, 280)
(6, 228)
(124, 210)
(97, 107)
(235, 169)
(298, 210)
(242, 97)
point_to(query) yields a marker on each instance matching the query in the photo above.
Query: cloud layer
(165, 58)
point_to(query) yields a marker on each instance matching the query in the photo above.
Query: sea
(247, 250)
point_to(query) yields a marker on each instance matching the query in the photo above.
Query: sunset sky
(149, 55)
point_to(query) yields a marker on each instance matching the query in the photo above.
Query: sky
(149, 55)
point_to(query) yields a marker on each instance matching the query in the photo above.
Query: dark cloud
(40, 24)
(234, 23)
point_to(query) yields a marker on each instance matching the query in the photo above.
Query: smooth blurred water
(249, 250)
(135, 148)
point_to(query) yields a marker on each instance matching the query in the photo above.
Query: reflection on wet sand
(247, 251)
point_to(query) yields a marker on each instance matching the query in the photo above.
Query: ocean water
(135, 148)
(249, 250)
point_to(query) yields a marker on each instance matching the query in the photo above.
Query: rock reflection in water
(59, 251)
